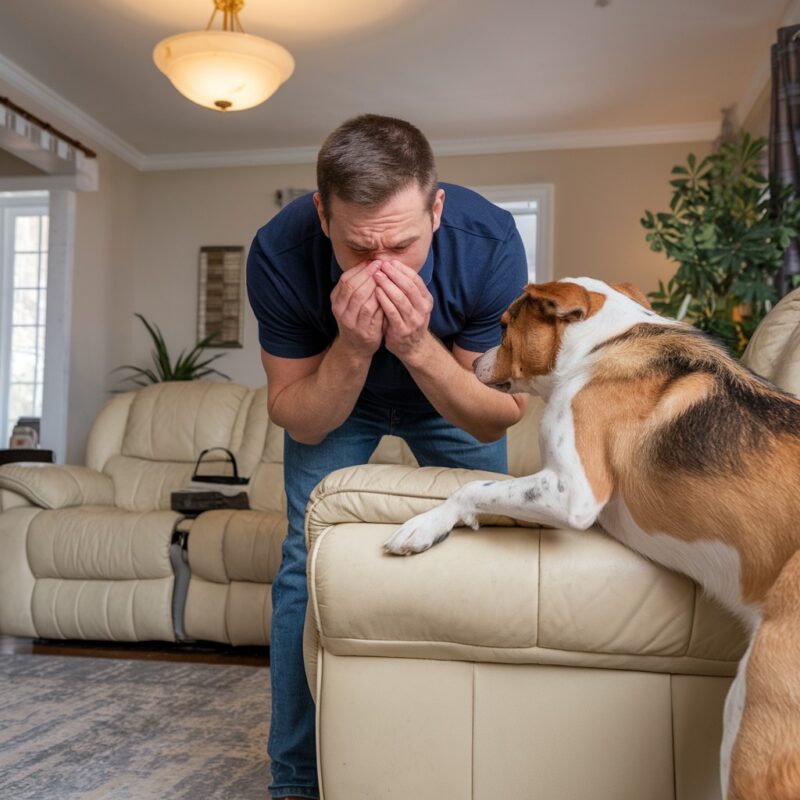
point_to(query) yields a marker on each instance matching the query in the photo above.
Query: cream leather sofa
(94, 552)
(512, 662)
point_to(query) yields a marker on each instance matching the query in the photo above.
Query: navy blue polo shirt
(475, 268)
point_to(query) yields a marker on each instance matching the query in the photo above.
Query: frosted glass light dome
(223, 70)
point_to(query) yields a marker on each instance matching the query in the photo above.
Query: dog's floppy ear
(636, 294)
(559, 300)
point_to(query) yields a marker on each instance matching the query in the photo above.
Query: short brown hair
(370, 158)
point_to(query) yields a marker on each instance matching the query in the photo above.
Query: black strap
(231, 460)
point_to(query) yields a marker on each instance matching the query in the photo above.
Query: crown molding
(231, 158)
(579, 140)
(33, 88)
(566, 140)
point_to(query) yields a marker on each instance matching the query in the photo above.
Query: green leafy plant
(187, 366)
(728, 228)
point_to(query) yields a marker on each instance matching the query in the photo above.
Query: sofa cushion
(774, 349)
(96, 543)
(226, 545)
(143, 485)
(175, 421)
(513, 595)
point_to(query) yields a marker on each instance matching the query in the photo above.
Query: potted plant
(187, 367)
(728, 228)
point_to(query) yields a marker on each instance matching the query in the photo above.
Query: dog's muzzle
(483, 367)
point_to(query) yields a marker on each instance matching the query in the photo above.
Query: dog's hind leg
(734, 706)
(765, 759)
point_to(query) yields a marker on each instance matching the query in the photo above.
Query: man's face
(400, 230)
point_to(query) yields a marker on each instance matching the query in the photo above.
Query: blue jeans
(434, 442)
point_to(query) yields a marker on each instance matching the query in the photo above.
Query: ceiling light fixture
(227, 70)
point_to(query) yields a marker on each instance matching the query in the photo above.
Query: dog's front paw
(420, 533)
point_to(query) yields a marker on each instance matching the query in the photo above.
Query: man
(373, 297)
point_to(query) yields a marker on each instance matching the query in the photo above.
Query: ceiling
(465, 71)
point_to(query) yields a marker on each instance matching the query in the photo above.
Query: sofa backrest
(148, 441)
(774, 349)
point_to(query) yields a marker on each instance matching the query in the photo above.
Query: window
(531, 206)
(24, 239)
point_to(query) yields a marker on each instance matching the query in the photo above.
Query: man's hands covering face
(358, 314)
(406, 304)
(382, 299)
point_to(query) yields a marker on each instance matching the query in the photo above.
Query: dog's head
(533, 328)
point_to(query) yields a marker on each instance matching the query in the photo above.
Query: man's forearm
(312, 407)
(459, 396)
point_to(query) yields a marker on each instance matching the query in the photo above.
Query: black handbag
(202, 495)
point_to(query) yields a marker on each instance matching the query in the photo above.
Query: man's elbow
(299, 435)
(302, 437)
(488, 433)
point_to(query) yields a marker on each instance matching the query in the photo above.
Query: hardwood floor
(203, 652)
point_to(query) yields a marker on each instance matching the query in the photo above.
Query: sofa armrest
(387, 493)
(228, 545)
(500, 594)
(57, 486)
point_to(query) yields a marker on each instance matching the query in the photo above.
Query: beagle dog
(680, 453)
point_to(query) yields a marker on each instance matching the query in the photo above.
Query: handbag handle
(231, 459)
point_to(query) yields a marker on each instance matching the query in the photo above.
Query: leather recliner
(92, 552)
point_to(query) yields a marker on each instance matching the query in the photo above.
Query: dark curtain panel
(784, 131)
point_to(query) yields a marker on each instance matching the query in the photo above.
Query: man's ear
(560, 300)
(323, 219)
(437, 208)
(636, 294)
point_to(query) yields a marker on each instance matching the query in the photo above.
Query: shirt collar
(426, 272)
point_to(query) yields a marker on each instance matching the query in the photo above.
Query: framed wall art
(220, 307)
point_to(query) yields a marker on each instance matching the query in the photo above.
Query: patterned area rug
(93, 728)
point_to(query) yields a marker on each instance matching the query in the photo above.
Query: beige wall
(138, 239)
(181, 212)
(757, 121)
(600, 195)
(103, 279)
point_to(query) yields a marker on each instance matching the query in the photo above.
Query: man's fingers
(368, 309)
(395, 293)
(354, 278)
(408, 282)
(388, 307)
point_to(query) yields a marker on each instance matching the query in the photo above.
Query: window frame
(13, 205)
(543, 194)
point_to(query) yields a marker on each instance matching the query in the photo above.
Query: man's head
(377, 196)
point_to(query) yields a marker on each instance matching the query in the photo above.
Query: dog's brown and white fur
(680, 453)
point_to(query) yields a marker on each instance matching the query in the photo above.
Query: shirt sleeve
(282, 327)
(503, 281)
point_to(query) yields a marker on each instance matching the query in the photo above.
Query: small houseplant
(728, 228)
(187, 366)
